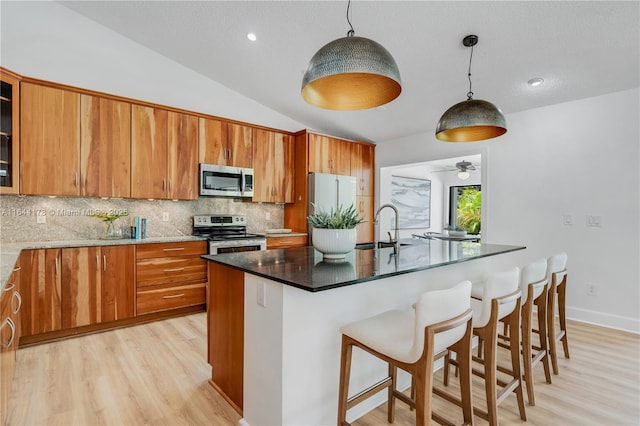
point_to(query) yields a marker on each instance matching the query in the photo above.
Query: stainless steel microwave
(225, 181)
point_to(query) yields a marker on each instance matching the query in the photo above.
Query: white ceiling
(581, 49)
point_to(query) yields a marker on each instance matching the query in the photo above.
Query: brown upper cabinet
(273, 168)
(362, 166)
(105, 147)
(329, 155)
(224, 143)
(50, 141)
(9, 132)
(164, 149)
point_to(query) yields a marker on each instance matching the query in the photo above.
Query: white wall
(578, 158)
(48, 41)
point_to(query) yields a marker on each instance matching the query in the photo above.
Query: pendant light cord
(351, 32)
(470, 93)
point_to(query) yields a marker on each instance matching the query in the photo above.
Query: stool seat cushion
(399, 334)
(532, 273)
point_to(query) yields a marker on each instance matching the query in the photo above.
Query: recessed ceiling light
(536, 81)
(252, 36)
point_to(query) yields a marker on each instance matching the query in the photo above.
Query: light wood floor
(157, 374)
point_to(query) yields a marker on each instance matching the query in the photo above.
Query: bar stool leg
(514, 325)
(345, 373)
(551, 326)
(541, 303)
(562, 288)
(490, 376)
(526, 351)
(391, 401)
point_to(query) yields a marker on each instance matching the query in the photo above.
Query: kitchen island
(274, 320)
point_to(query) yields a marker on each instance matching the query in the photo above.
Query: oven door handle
(242, 182)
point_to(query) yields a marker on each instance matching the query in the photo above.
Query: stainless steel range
(227, 233)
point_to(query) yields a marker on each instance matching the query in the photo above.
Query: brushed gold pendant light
(471, 120)
(351, 73)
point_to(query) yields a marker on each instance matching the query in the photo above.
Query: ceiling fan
(463, 168)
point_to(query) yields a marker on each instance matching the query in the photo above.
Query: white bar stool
(496, 299)
(557, 275)
(533, 286)
(411, 341)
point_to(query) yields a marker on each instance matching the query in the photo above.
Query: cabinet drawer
(166, 270)
(163, 298)
(282, 242)
(147, 251)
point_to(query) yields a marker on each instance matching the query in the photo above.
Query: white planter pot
(334, 243)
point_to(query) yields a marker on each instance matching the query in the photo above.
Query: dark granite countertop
(303, 267)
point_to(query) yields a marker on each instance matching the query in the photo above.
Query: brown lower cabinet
(76, 290)
(225, 331)
(10, 307)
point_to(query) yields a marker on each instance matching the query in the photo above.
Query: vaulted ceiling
(580, 49)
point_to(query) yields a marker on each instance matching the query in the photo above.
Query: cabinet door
(240, 145)
(212, 141)
(148, 152)
(50, 141)
(9, 133)
(182, 158)
(40, 287)
(362, 166)
(118, 283)
(81, 286)
(273, 167)
(364, 231)
(105, 147)
(329, 155)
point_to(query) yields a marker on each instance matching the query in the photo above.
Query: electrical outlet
(592, 289)
(267, 216)
(594, 221)
(165, 216)
(40, 218)
(261, 298)
(567, 219)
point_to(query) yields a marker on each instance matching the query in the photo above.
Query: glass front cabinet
(9, 132)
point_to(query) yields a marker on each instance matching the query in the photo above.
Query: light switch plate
(594, 221)
(567, 219)
(165, 216)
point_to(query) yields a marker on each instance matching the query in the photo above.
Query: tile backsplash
(68, 218)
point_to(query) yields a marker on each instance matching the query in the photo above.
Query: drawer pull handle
(174, 249)
(174, 270)
(174, 296)
(12, 326)
(9, 287)
(17, 295)
(17, 269)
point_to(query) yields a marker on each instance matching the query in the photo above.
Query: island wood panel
(240, 145)
(148, 152)
(167, 297)
(40, 287)
(81, 286)
(329, 155)
(105, 147)
(182, 157)
(362, 167)
(14, 155)
(118, 282)
(50, 141)
(164, 270)
(147, 251)
(9, 337)
(212, 141)
(225, 310)
(273, 155)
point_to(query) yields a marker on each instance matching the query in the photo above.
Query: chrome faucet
(395, 243)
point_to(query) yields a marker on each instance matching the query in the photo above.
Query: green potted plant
(334, 232)
(112, 233)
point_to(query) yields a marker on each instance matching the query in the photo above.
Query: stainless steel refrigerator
(328, 191)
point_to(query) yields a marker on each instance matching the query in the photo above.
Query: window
(465, 207)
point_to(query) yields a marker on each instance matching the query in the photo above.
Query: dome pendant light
(351, 73)
(471, 120)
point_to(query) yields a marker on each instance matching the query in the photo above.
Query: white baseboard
(617, 322)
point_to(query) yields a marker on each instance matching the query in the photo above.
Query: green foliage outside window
(470, 210)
